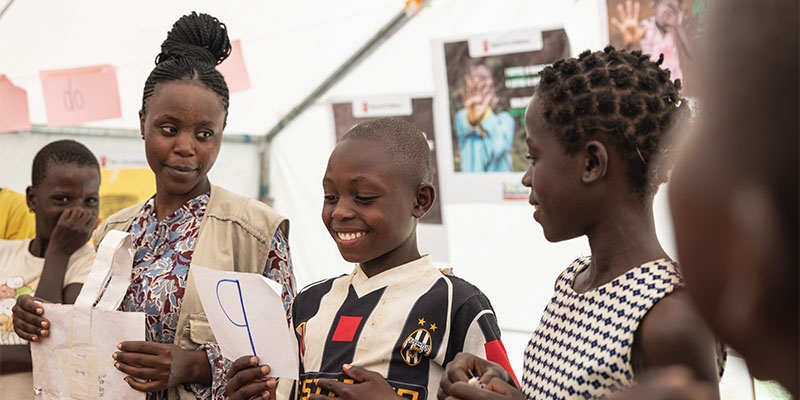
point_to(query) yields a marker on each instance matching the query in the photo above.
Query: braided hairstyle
(622, 97)
(194, 46)
(61, 152)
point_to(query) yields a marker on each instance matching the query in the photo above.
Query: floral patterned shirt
(163, 252)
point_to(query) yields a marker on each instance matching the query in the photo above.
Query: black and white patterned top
(582, 347)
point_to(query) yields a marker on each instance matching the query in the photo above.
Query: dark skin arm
(73, 229)
(15, 358)
(671, 383)
(672, 333)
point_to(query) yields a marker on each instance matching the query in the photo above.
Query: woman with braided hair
(598, 135)
(188, 221)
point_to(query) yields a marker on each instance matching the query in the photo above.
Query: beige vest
(235, 235)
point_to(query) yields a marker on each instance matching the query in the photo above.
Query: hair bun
(198, 36)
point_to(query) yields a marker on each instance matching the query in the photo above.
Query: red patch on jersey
(346, 328)
(496, 351)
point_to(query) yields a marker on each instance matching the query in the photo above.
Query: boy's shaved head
(61, 152)
(405, 143)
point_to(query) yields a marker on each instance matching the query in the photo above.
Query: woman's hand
(247, 380)
(157, 366)
(29, 324)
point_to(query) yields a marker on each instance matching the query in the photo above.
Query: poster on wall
(484, 85)
(668, 27)
(125, 179)
(416, 110)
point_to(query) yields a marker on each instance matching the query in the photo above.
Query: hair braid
(194, 46)
(620, 96)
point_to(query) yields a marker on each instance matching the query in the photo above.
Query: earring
(30, 210)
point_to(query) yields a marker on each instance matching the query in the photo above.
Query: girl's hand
(28, 321)
(494, 389)
(465, 366)
(247, 380)
(157, 366)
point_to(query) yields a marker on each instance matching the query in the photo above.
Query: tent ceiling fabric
(289, 47)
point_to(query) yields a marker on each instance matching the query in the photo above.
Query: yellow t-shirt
(16, 223)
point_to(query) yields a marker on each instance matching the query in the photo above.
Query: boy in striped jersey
(387, 329)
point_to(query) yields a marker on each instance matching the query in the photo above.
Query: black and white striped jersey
(406, 323)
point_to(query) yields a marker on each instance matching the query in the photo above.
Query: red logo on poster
(365, 106)
(485, 45)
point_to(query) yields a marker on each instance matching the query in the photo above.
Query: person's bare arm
(72, 231)
(15, 358)
(672, 333)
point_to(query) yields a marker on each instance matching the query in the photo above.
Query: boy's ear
(595, 163)
(30, 198)
(425, 197)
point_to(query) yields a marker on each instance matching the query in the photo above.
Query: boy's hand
(73, 229)
(247, 380)
(28, 321)
(371, 385)
(157, 366)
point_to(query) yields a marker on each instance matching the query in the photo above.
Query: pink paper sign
(234, 70)
(77, 95)
(13, 107)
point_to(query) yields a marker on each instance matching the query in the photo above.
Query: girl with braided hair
(598, 132)
(188, 221)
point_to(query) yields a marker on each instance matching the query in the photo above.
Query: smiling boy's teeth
(350, 235)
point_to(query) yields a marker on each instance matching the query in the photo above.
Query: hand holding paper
(247, 316)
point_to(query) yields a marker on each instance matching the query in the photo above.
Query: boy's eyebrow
(357, 179)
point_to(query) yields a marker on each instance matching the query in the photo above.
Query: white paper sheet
(247, 316)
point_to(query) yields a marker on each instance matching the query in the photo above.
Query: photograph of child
(488, 91)
(668, 27)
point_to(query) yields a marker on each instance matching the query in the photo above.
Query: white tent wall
(289, 47)
(233, 168)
